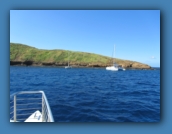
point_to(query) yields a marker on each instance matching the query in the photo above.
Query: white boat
(120, 68)
(30, 106)
(67, 67)
(115, 66)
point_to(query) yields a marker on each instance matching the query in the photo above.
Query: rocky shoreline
(77, 65)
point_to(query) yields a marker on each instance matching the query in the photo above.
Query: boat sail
(115, 66)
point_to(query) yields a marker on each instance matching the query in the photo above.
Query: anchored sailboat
(115, 66)
(68, 63)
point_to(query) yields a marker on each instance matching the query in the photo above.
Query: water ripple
(93, 95)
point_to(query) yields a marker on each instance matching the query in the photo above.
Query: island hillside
(21, 54)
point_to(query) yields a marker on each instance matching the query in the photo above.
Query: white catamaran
(68, 63)
(30, 106)
(115, 66)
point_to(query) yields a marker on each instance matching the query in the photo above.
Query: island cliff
(21, 54)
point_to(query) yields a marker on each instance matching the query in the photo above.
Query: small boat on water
(68, 67)
(115, 66)
(120, 68)
(30, 106)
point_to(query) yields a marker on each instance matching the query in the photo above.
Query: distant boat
(66, 67)
(120, 68)
(115, 66)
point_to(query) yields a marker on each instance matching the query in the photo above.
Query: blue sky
(135, 33)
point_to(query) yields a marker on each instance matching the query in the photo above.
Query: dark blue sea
(93, 94)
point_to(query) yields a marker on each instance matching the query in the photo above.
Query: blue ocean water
(93, 94)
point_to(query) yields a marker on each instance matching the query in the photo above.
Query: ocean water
(93, 94)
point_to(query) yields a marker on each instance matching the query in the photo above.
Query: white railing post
(42, 108)
(15, 116)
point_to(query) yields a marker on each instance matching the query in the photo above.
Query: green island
(25, 55)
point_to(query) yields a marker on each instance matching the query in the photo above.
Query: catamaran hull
(115, 69)
(68, 67)
(112, 68)
(121, 69)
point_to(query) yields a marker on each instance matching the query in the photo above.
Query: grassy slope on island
(20, 52)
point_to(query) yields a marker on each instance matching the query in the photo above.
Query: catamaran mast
(113, 56)
(68, 58)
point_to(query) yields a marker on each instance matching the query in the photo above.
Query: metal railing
(24, 103)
